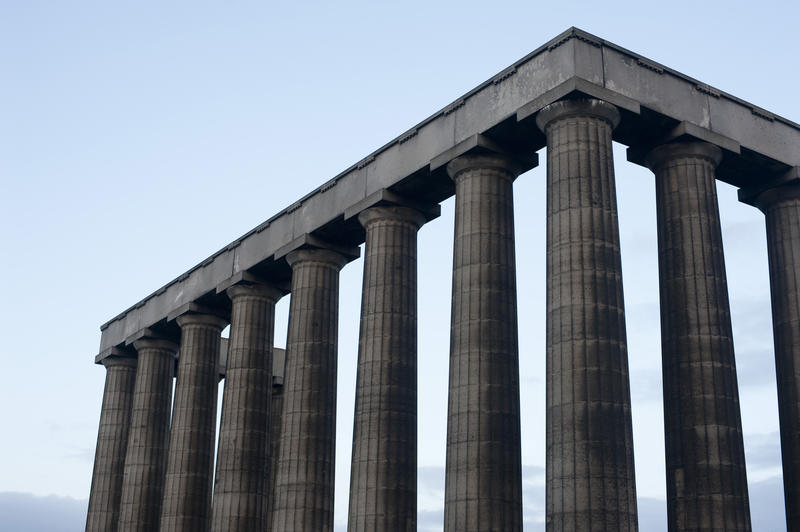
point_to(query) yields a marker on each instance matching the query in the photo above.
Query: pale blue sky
(137, 138)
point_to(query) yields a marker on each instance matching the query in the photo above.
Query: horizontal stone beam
(654, 99)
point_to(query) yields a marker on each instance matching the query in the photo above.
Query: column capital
(156, 343)
(772, 196)
(266, 291)
(582, 107)
(504, 163)
(661, 155)
(117, 361)
(400, 214)
(197, 309)
(386, 198)
(326, 256)
(211, 320)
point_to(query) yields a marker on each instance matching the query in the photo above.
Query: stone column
(276, 416)
(187, 494)
(112, 442)
(590, 471)
(483, 479)
(383, 478)
(240, 488)
(304, 481)
(781, 206)
(706, 478)
(146, 455)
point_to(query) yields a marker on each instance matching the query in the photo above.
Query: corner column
(781, 206)
(187, 494)
(383, 478)
(590, 470)
(240, 487)
(483, 479)
(304, 484)
(146, 455)
(112, 442)
(706, 478)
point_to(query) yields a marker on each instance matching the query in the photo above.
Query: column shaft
(383, 477)
(275, 444)
(187, 494)
(146, 455)
(782, 209)
(590, 470)
(112, 442)
(706, 478)
(483, 486)
(240, 488)
(304, 484)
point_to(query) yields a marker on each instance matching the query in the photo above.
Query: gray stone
(590, 471)
(573, 62)
(187, 488)
(276, 417)
(383, 476)
(304, 483)
(483, 478)
(577, 88)
(706, 477)
(781, 205)
(240, 486)
(146, 455)
(112, 442)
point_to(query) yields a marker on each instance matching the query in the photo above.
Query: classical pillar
(706, 478)
(146, 455)
(240, 487)
(383, 477)
(276, 416)
(590, 472)
(304, 481)
(483, 480)
(112, 441)
(781, 205)
(187, 493)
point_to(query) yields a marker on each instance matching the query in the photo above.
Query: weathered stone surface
(573, 61)
(782, 209)
(304, 483)
(483, 484)
(187, 488)
(383, 477)
(276, 417)
(146, 455)
(589, 449)
(112, 442)
(706, 477)
(590, 472)
(240, 486)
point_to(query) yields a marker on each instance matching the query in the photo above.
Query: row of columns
(275, 466)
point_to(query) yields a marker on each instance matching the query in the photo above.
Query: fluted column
(483, 482)
(304, 483)
(187, 493)
(383, 477)
(276, 417)
(112, 442)
(590, 470)
(781, 206)
(240, 487)
(706, 478)
(146, 455)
